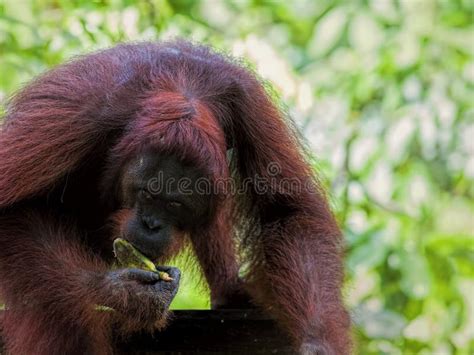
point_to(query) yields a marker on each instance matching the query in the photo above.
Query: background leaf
(382, 90)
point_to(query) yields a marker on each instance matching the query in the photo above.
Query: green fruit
(129, 256)
(103, 308)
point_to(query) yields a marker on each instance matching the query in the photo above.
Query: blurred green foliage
(383, 92)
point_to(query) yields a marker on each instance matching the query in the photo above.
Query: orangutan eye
(174, 204)
(145, 194)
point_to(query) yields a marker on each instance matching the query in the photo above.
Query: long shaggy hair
(88, 117)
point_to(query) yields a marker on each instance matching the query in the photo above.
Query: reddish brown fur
(65, 141)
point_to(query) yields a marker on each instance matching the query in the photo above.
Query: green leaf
(384, 324)
(328, 31)
(416, 275)
(370, 254)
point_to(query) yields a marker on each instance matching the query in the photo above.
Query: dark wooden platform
(214, 332)
(240, 331)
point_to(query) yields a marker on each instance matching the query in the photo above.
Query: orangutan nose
(152, 223)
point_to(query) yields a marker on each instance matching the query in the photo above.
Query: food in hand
(129, 256)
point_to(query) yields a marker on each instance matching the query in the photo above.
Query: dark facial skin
(161, 191)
